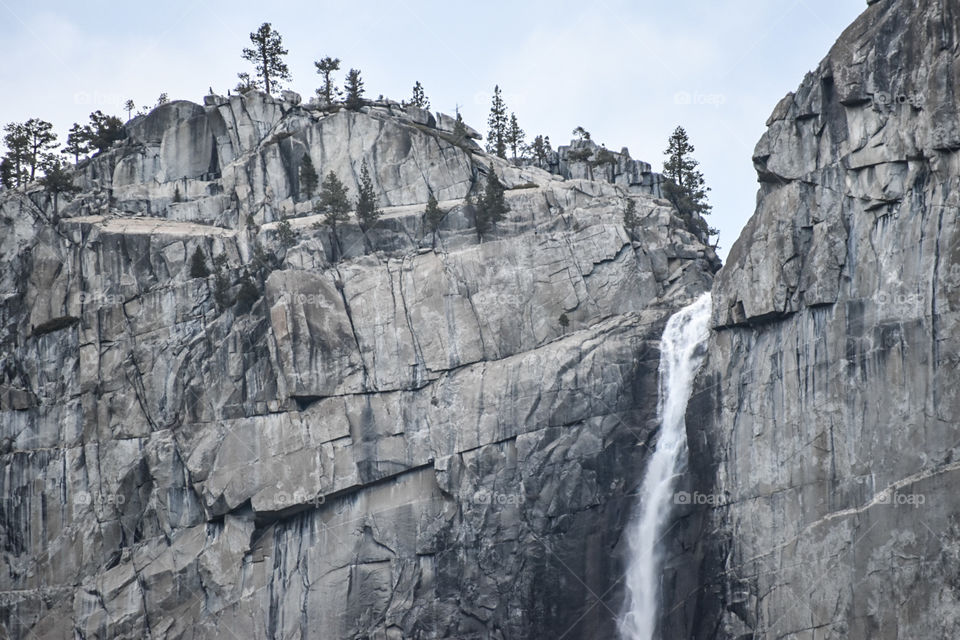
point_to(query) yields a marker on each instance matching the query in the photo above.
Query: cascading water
(681, 355)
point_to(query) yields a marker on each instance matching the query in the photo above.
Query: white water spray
(681, 355)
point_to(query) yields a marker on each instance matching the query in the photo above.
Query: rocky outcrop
(432, 437)
(825, 424)
(586, 160)
(237, 159)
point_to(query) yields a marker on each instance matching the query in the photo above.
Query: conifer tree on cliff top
(498, 123)
(685, 187)
(267, 56)
(327, 92)
(353, 90)
(420, 98)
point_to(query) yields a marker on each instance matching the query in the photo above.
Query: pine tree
(267, 56)
(6, 174)
(581, 134)
(78, 143)
(163, 99)
(515, 136)
(680, 168)
(285, 234)
(308, 176)
(327, 92)
(16, 160)
(245, 83)
(432, 216)
(221, 284)
(333, 204)
(459, 128)
(419, 98)
(335, 207)
(129, 106)
(41, 139)
(541, 150)
(367, 211)
(492, 207)
(685, 187)
(28, 149)
(104, 130)
(198, 264)
(354, 90)
(57, 180)
(497, 121)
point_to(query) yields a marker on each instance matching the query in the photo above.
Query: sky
(629, 71)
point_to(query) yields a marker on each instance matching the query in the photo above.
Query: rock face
(826, 421)
(431, 438)
(586, 160)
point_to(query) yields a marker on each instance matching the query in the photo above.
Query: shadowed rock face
(404, 444)
(827, 416)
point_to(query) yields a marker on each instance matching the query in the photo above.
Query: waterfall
(681, 355)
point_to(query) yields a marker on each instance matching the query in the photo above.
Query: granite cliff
(825, 423)
(428, 438)
(409, 442)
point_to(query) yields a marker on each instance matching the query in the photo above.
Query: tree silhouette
(515, 136)
(684, 186)
(327, 92)
(198, 264)
(335, 207)
(78, 142)
(245, 82)
(17, 159)
(267, 56)
(459, 128)
(497, 121)
(354, 90)
(104, 130)
(419, 98)
(57, 180)
(41, 139)
(541, 150)
(432, 217)
(491, 207)
(367, 211)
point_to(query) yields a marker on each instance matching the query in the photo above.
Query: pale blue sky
(622, 69)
